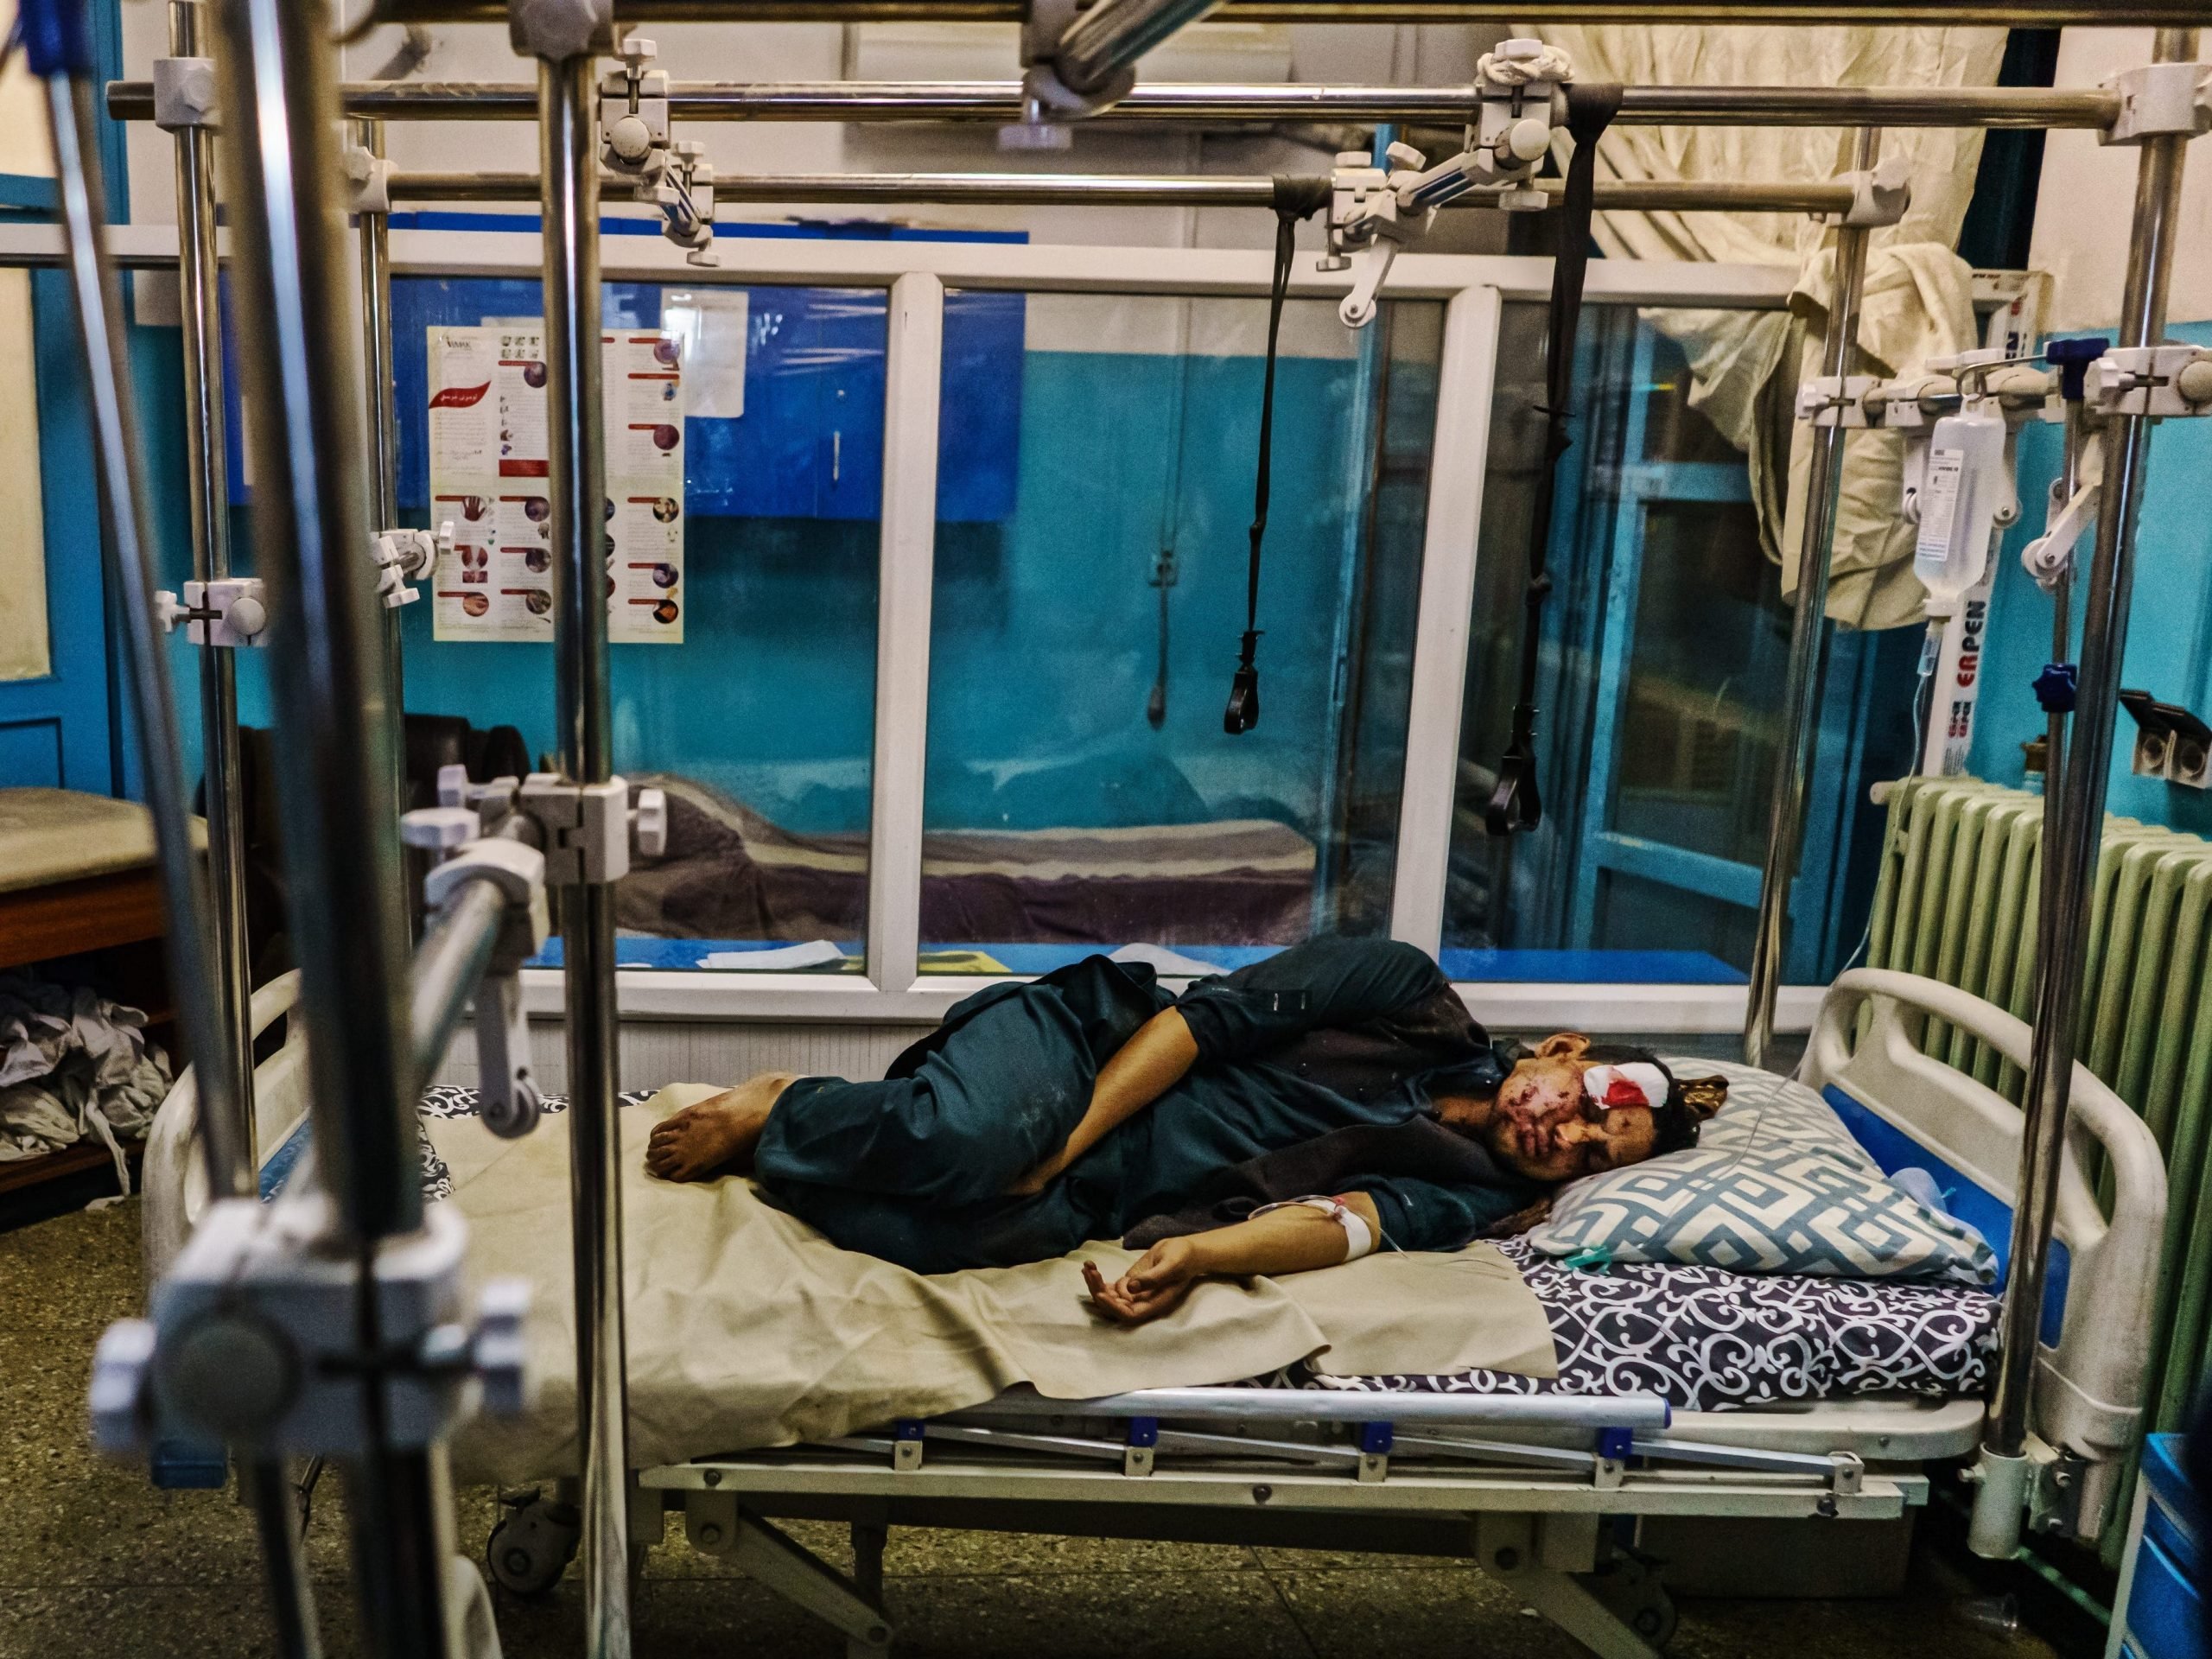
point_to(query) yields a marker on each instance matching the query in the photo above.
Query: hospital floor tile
(101, 1622)
(1114, 1616)
(77, 1271)
(917, 1552)
(1359, 1613)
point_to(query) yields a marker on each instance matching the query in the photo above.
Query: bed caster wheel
(1629, 1588)
(528, 1551)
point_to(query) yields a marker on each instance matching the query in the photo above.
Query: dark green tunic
(1328, 1035)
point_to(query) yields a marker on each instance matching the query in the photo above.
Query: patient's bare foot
(716, 1136)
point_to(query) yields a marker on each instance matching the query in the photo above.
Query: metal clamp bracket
(1048, 103)
(404, 556)
(2164, 381)
(556, 30)
(471, 832)
(2159, 99)
(232, 612)
(588, 827)
(1879, 195)
(2049, 558)
(256, 1340)
(368, 180)
(633, 110)
(184, 93)
(1825, 400)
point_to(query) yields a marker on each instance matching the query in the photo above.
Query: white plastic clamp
(1880, 195)
(368, 180)
(232, 612)
(403, 556)
(586, 828)
(255, 1340)
(184, 93)
(2157, 98)
(1826, 401)
(2049, 558)
(2165, 380)
(633, 111)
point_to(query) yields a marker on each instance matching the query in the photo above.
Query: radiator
(1961, 870)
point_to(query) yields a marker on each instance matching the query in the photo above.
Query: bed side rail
(175, 1180)
(2089, 1384)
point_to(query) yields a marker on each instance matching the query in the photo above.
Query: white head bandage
(1635, 1084)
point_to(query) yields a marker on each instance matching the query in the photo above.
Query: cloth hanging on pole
(1295, 199)
(1516, 804)
(1745, 366)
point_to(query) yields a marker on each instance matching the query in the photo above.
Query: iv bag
(1962, 489)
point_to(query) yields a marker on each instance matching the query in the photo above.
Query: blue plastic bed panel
(1980, 1209)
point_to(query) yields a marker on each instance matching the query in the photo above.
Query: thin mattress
(1703, 1338)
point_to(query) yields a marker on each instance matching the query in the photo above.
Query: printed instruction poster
(489, 467)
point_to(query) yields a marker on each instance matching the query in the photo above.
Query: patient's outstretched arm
(1295, 1239)
(1146, 1067)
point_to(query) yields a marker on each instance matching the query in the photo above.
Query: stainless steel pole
(1099, 189)
(117, 456)
(2061, 621)
(2073, 832)
(208, 480)
(341, 837)
(1111, 36)
(63, 59)
(2022, 14)
(1809, 636)
(569, 159)
(384, 431)
(999, 101)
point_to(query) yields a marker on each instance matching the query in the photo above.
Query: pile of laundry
(74, 1064)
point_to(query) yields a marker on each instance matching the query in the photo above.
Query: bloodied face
(1560, 1113)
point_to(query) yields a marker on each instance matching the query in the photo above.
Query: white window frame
(916, 275)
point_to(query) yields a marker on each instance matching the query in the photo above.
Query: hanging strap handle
(1516, 805)
(1294, 199)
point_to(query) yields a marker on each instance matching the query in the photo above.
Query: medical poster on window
(489, 471)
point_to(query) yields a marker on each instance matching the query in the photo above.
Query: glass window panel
(1659, 688)
(1090, 584)
(760, 723)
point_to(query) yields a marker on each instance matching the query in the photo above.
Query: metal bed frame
(1535, 1488)
(336, 678)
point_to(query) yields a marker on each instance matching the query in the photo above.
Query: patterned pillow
(1775, 1185)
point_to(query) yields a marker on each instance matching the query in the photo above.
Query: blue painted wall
(2169, 629)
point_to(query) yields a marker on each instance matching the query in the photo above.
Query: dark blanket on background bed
(1704, 1339)
(728, 873)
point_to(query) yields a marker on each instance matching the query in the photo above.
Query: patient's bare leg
(716, 1136)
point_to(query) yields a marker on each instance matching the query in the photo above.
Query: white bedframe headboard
(2089, 1387)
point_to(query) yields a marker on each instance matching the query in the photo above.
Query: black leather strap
(1517, 804)
(1295, 197)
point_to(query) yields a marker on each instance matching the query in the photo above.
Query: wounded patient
(1293, 1115)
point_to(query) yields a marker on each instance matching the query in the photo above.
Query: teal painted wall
(2169, 627)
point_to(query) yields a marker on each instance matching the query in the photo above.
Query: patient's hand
(1156, 1284)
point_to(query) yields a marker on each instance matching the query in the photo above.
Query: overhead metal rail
(1108, 189)
(2027, 107)
(2019, 14)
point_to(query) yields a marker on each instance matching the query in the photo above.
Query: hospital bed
(1549, 1488)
